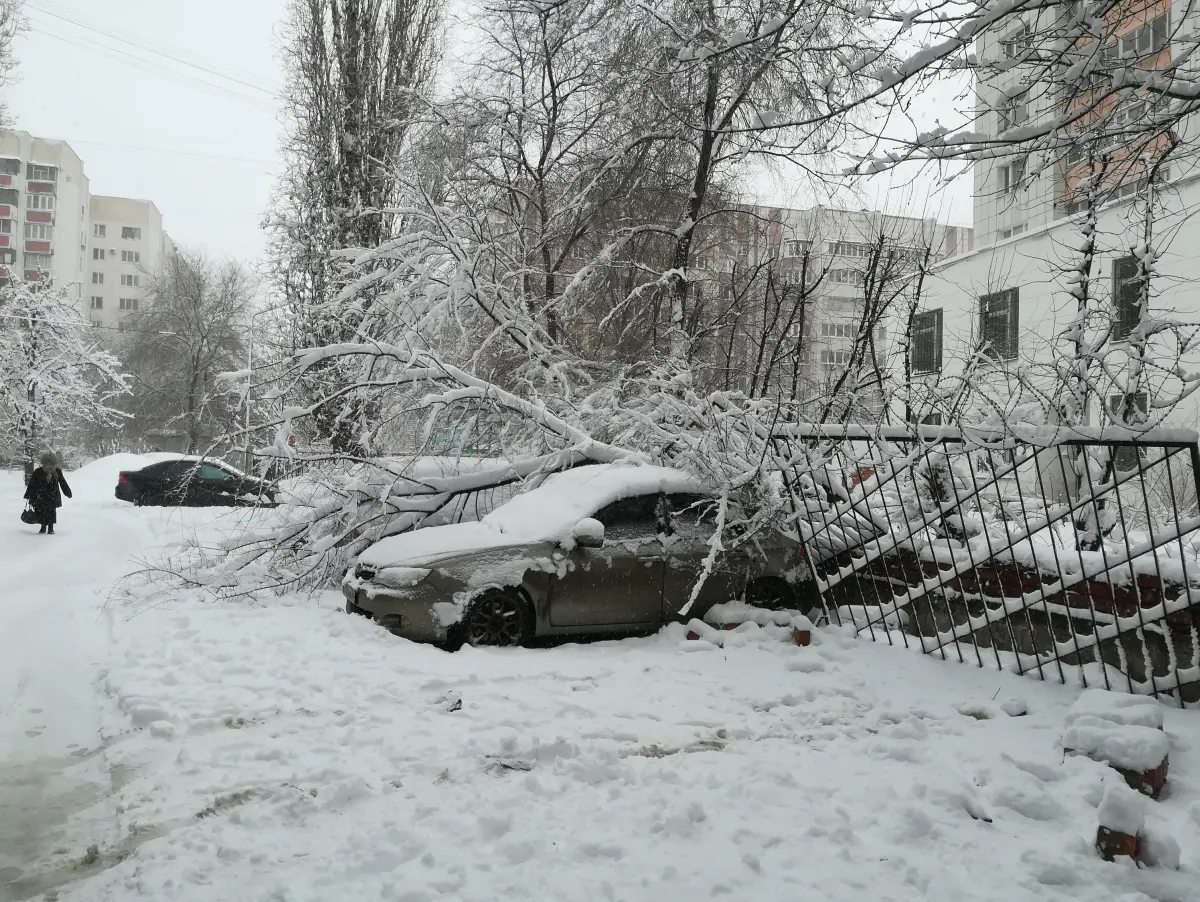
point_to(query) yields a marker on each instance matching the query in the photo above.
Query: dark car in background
(192, 482)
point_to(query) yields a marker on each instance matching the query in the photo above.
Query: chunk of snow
(1015, 707)
(1117, 708)
(1122, 810)
(1158, 848)
(1129, 747)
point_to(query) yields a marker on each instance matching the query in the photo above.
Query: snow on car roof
(566, 498)
(539, 515)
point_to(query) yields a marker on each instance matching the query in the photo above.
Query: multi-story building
(52, 228)
(126, 244)
(1011, 305)
(43, 209)
(856, 266)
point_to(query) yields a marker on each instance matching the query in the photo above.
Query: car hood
(437, 545)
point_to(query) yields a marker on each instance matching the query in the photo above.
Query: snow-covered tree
(12, 21)
(54, 376)
(356, 70)
(192, 328)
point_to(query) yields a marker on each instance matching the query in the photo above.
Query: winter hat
(49, 458)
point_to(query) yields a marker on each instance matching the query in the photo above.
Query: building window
(129, 281)
(39, 231)
(999, 317)
(131, 256)
(39, 201)
(97, 302)
(1015, 230)
(797, 247)
(846, 276)
(835, 358)
(130, 304)
(100, 230)
(8, 256)
(36, 173)
(850, 249)
(41, 262)
(927, 342)
(97, 253)
(839, 330)
(1140, 42)
(1017, 44)
(1011, 176)
(97, 278)
(1132, 410)
(1127, 296)
(6, 226)
(1014, 111)
(121, 326)
(131, 232)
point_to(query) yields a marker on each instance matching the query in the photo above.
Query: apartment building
(1013, 297)
(44, 200)
(837, 253)
(53, 228)
(126, 243)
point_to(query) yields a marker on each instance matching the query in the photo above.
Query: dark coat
(45, 490)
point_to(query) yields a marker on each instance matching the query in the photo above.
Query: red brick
(1110, 844)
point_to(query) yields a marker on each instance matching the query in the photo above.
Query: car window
(208, 471)
(630, 518)
(692, 516)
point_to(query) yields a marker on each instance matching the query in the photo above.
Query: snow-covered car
(192, 482)
(604, 548)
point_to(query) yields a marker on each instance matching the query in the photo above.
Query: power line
(172, 153)
(143, 65)
(148, 48)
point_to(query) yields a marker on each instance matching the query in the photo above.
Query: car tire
(770, 592)
(497, 618)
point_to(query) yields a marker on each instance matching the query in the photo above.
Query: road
(54, 637)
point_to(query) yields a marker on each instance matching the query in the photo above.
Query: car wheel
(139, 500)
(770, 592)
(501, 617)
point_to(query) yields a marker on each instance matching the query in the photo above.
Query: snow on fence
(1073, 554)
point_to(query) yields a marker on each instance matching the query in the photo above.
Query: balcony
(39, 216)
(5, 241)
(37, 247)
(41, 188)
(33, 275)
(7, 180)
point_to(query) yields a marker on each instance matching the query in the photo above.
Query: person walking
(45, 490)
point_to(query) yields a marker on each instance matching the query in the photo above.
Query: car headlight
(364, 571)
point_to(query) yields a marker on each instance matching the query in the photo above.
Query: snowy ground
(290, 752)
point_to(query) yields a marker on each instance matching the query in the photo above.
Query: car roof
(564, 499)
(545, 513)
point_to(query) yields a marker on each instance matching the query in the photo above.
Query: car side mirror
(588, 533)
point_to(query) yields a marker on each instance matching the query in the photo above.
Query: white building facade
(126, 245)
(1010, 307)
(52, 227)
(44, 200)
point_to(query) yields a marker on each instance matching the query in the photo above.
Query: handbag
(28, 516)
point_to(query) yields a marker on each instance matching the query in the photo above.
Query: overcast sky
(199, 145)
(111, 78)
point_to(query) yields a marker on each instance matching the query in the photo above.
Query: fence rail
(1070, 554)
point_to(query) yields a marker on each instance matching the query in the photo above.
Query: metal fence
(1071, 554)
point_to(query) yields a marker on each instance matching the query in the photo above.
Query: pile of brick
(1126, 733)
